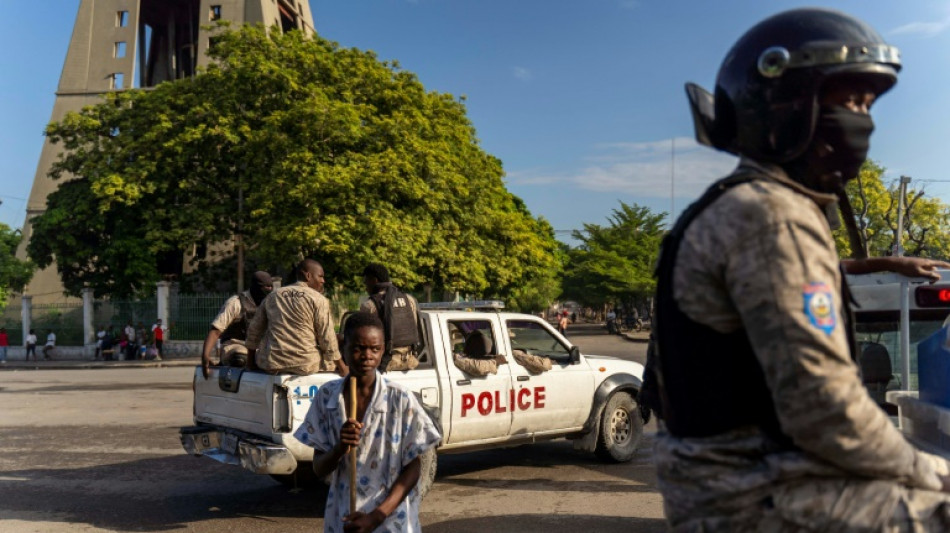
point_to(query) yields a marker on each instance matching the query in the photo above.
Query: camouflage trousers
(230, 349)
(836, 505)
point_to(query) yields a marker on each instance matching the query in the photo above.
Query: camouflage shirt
(765, 257)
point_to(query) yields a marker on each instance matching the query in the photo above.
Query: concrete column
(162, 291)
(88, 329)
(26, 314)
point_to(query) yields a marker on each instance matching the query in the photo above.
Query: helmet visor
(774, 61)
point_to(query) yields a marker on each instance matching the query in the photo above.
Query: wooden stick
(352, 416)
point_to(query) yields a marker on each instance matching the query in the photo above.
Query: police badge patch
(819, 306)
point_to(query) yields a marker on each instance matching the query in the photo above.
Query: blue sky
(581, 100)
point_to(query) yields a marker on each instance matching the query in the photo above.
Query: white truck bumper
(257, 455)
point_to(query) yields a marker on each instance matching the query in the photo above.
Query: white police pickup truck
(248, 418)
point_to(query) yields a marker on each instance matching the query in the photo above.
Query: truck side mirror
(575, 355)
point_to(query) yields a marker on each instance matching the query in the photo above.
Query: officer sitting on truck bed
(230, 326)
(292, 332)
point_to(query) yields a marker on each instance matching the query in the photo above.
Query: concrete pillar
(88, 315)
(26, 315)
(162, 292)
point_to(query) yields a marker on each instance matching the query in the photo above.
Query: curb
(87, 365)
(640, 337)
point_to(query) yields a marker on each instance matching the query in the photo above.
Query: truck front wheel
(429, 463)
(621, 428)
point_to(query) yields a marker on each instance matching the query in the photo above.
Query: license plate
(229, 444)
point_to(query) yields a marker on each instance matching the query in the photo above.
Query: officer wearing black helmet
(767, 426)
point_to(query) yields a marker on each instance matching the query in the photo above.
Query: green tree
(299, 147)
(614, 263)
(925, 230)
(14, 273)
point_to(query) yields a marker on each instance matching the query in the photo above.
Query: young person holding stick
(388, 432)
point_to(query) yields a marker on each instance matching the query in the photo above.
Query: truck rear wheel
(429, 463)
(621, 428)
(302, 477)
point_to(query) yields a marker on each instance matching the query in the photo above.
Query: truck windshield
(533, 338)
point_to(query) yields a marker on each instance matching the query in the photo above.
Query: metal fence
(118, 313)
(12, 319)
(190, 315)
(63, 319)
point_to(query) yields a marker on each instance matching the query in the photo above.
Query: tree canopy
(614, 263)
(301, 147)
(14, 273)
(926, 232)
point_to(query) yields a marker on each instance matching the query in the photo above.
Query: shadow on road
(146, 495)
(549, 522)
(475, 469)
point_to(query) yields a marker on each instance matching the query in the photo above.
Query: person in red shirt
(4, 343)
(158, 336)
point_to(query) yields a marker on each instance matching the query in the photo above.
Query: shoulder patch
(819, 306)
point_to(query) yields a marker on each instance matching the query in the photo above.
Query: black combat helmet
(766, 99)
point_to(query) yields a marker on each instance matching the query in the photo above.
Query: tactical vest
(399, 319)
(706, 382)
(238, 328)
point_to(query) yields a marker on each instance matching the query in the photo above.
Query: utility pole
(901, 207)
(672, 179)
(239, 238)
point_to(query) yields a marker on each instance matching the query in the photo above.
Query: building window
(122, 19)
(215, 13)
(118, 80)
(119, 52)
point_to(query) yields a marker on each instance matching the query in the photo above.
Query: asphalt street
(96, 449)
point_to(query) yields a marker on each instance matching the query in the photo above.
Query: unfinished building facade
(124, 44)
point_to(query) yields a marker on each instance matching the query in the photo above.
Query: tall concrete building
(124, 44)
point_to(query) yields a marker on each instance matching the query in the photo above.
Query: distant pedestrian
(142, 335)
(108, 344)
(4, 344)
(562, 323)
(31, 345)
(99, 336)
(131, 344)
(50, 344)
(158, 337)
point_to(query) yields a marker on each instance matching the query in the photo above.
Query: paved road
(97, 450)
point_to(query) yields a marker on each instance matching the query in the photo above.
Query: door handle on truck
(463, 382)
(523, 378)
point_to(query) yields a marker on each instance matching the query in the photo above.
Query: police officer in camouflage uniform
(476, 357)
(766, 424)
(400, 316)
(230, 326)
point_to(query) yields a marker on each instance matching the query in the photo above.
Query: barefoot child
(390, 431)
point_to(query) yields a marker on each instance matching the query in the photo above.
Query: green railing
(63, 319)
(12, 319)
(190, 315)
(118, 313)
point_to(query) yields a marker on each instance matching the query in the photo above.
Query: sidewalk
(637, 336)
(86, 364)
(600, 328)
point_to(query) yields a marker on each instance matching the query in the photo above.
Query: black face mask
(837, 150)
(842, 139)
(261, 286)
